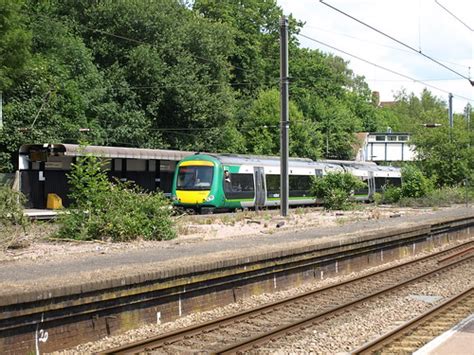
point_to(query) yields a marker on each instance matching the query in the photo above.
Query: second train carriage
(224, 181)
(375, 177)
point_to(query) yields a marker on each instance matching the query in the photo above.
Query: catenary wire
(453, 15)
(383, 68)
(380, 44)
(398, 41)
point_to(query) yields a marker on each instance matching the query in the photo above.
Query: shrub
(116, 211)
(446, 196)
(414, 183)
(335, 189)
(11, 206)
(392, 194)
(12, 220)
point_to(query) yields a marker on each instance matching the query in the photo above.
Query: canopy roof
(75, 150)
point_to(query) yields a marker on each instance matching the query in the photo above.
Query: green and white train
(206, 182)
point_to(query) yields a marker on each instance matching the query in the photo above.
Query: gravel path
(249, 303)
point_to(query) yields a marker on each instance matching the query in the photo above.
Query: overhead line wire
(381, 67)
(379, 44)
(398, 41)
(453, 15)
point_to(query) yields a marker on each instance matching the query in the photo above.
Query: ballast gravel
(348, 333)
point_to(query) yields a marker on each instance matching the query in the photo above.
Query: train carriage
(375, 177)
(207, 182)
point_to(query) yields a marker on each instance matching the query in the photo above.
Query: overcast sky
(422, 24)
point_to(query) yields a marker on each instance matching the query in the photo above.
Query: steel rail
(461, 254)
(316, 318)
(389, 337)
(177, 335)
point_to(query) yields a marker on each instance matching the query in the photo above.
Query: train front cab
(203, 184)
(195, 186)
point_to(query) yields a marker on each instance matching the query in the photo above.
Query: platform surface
(34, 275)
(457, 341)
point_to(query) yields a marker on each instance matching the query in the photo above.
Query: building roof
(75, 150)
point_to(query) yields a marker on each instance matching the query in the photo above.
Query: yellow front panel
(191, 197)
(197, 163)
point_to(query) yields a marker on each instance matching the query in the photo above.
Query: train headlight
(210, 198)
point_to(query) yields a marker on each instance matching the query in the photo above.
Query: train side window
(273, 185)
(240, 186)
(299, 185)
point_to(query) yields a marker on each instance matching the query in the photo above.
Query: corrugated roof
(75, 150)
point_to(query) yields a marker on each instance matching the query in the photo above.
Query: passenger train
(209, 182)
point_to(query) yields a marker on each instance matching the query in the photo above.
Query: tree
(15, 42)
(174, 73)
(446, 154)
(261, 128)
(254, 27)
(410, 112)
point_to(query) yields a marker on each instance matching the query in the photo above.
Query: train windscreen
(194, 178)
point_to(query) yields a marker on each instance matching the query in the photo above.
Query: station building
(385, 147)
(42, 168)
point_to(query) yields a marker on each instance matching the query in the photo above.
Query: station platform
(457, 341)
(80, 298)
(174, 257)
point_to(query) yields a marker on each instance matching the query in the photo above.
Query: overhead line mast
(284, 124)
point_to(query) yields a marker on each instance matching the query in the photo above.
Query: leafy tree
(446, 154)
(254, 27)
(168, 74)
(411, 111)
(261, 128)
(177, 70)
(337, 124)
(15, 43)
(52, 97)
(88, 182)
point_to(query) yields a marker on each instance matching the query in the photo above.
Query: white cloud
(422, 24)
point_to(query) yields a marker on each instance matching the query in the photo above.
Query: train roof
(240, 159)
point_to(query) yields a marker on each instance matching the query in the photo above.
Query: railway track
(417, 332)
(246, 330)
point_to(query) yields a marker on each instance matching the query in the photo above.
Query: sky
(421, 24)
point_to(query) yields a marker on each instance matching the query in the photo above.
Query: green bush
(335, 189)
(414, 183)
(446, 196)
(116, 211)
(11, 206)
(392, 194)
(13, 223)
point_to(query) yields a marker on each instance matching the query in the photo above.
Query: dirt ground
(37, 243)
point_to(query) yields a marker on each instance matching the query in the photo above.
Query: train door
(259, 187)
(371, 184)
